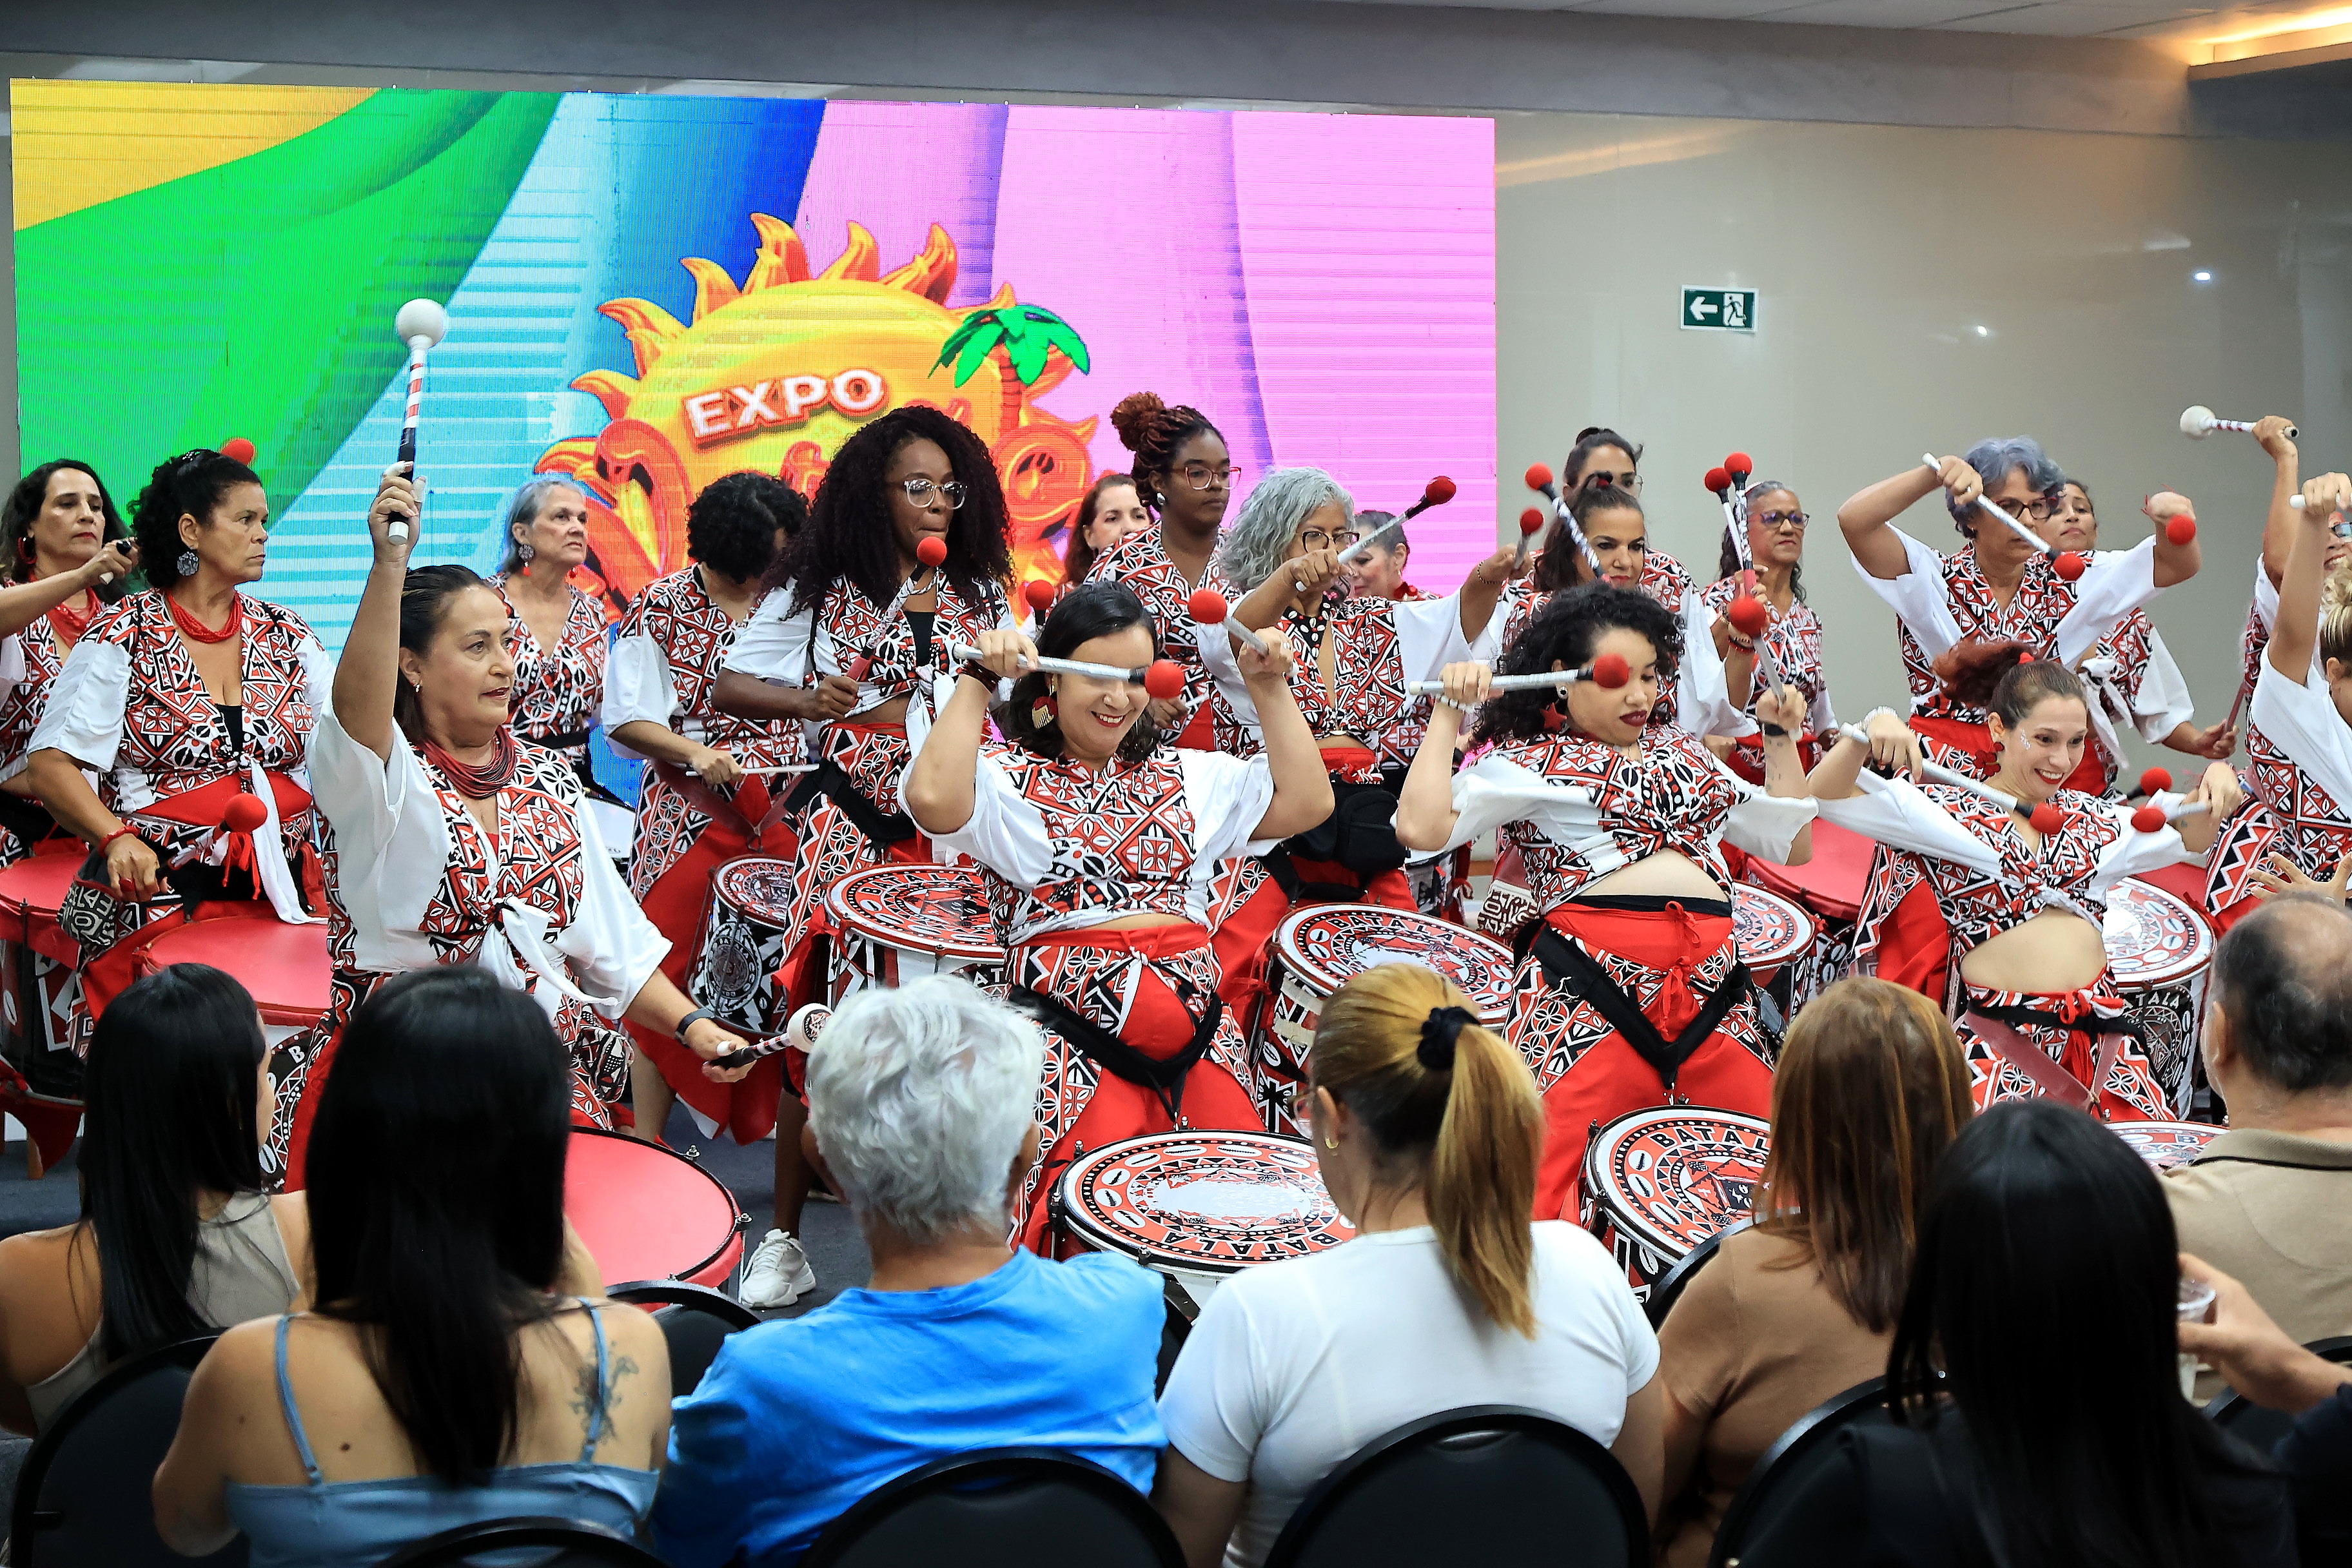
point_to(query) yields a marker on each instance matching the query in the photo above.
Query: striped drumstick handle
(971, 655)
(1943, 775)
(398, 527)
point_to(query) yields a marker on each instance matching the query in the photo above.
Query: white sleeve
(771, 645)
(1494, 790)
(2266, 594)
(1216, 647)
(1820, 719)
(1215, 1409)
(609, 945)
(1228, 798)
(12, 660)
(1899, 813)
(87, 702)
(2134, 852)
(2163, 704)
(636, 686)
(391, 843)
(1917, 597)
(2116, 583)
(1487, 647)
(1429, 634)
(1702, 691)
(1005, 833)
(2300, 720)
(1765, 825)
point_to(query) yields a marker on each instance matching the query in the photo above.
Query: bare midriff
(2057, 950)
(891, 712)
(1668, 874)
(1141, 921)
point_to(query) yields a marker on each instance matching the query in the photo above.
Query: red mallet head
(1207, 606)
(2153, 780)
(1749, 616)
(1539, 476)
(1164, 682)
(2180, 529)
(237, 449)
(1612, 671)
(1739, 465)
(243, 814)
(1437, 493)
(2068, 565)
(1717, 480)
(2047, 819)
(2149, 819)
(1532, 522)
(1040, 595)
(931, 549)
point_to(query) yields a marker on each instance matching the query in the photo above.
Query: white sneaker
(778, 1275)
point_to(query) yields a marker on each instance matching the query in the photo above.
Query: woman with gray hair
(1999, 587)
(556, 632)
(919, 1101)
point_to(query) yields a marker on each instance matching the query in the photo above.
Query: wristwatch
(691, 1019)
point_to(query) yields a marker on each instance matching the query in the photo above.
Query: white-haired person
(1426, 1126)
(557, 631)
(920, 1100)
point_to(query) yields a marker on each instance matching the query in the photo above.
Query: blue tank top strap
(294, 1416)
(604, 1389)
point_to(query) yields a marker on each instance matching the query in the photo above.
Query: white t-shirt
(1294, 1366)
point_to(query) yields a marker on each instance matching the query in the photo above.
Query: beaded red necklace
(72, 623)
(478, 783)
(195, 630)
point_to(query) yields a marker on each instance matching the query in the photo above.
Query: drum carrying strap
(710, 802)
(1577, 972)
(1163, 1076)
(1296, 888)
(878, 825)
(2046, 1075)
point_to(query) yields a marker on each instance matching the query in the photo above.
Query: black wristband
(691, 1019)
(1774, 732)
(980, 672)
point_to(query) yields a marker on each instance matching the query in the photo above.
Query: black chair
(1000, 1508)
(1781, 1471)
(570, 1543)
(2256, 1426)
(1491, 1484)
(1175, 1328)
(695, 1321)
(84, 1495)
(1669, 1287)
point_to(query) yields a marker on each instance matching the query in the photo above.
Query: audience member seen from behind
(459, 1365)
(2046, 1293)
(1870, 1090)
(1110, 511)
(176, 1235)
(2270, 1200)
(1427, 1128)
(919, 1098)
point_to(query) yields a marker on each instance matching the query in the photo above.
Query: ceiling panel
(2049, 18)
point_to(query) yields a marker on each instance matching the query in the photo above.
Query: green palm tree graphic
(1019, 336)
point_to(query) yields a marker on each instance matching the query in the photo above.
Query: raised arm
(1891, 743)
(939, 792)
(1867, 516)
(1424, 814)
(2173, 563)
(2297, 631)
(1302, 790)
(2278, 522)
(1483, 589)
(1302, 577)
(368, 673)
(22, 603)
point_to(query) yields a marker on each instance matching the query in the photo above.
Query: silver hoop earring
(187, 564)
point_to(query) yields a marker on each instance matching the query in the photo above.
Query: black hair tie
(1439, 1033)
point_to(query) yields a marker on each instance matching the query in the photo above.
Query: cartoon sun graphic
(774, 375)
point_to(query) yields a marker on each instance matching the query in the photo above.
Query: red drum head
(1676, 1174)
(1833, 882)
(1767, 929)
(1201, 1203)
(758, 885)
(35, 887)
(647, 1214)
(285, 966)
(1327, 946)
(2164, 1145)
(2153, 937)
(938, 909)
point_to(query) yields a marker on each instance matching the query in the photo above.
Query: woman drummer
(558, 635)
(2019, 884)
(1792, 635)
(1098, 848)
(1629, 991)
(65, 556)
(708, 793)
(449, 842)
(183, 698)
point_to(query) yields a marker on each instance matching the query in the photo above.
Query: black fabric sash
(1164, 1076)
(829, 779)
(1569, 966)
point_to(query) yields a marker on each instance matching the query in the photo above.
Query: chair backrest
(695, 1322)
(85, 1493)
(2258, 1427)
(1000, 1508)
(1491, 1484)
(1780, 1471)
(1669, 1289)
(566, 1543)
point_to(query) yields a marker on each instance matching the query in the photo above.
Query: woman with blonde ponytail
(1428, 1128)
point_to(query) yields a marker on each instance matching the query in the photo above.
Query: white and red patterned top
(1064, 847)
(1663, 578)
(556, 692)
(2298, 774)
(1378, 645)
(1140, 561)
(1577, 809)
(1402, 739)
(664, 667)
(1698, 699)
(415, 880)
(1941, 599)
(2135, 684)
(1794, 638)
(29, 661)
(1973, 855)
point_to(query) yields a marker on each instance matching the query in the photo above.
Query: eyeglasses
(919, 490)
(1201, 476)
(1601, 479)
(2341, 529)
(1317, 539)
(1794, 521)
(2038, 510)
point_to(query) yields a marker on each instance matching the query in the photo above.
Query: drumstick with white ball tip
(801, 1030)
(2066, 563)
(1609, 672)
(2045, 818)
(420, 323)
(2197, 421)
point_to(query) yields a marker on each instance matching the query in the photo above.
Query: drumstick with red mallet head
(1609, 672)
(1531, 523)
(1749, 615)
(1040, 596)
(1539, 478)
(2155, 819)
(1437, 493)
(2066, 563)
(420, 323)
(2045, 818)
(1162, 679)
(2151, 782)
(1208, 607)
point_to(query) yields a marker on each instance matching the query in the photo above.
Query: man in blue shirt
(921, 1099)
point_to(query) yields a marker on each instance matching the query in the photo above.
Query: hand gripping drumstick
(420, 324)
(1437, 493)
(1162, 679)
(2066, 563)
(2197, 420)
(1609, 672)
(2045, 818)
(1209, 608)
(1531, 524)
(1538, 478)
(801, 1030)
(2155, 819)
(1749, 615)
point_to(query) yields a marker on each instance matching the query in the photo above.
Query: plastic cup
(2195, 1304)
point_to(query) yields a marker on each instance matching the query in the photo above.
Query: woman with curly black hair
(1630, 993)
(1098, 849)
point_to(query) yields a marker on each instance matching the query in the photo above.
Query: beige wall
(1877, 251)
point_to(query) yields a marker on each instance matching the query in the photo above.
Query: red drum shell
(1768, 931)
(1832, 883)
(285, 967)
(648, 1213)
(1660, 1180)
(2164, 1145)
(37, 995)
(900, 922)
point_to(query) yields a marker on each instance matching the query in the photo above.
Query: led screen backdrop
(647, 292)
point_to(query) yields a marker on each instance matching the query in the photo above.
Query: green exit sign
(1719, 309)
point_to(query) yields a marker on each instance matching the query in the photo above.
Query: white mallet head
(2195, 421)
(421, 321)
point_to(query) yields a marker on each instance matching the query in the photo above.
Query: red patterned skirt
(2024, 1044)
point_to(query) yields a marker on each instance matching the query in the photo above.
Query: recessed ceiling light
(2201, 275)
(1984, 331)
